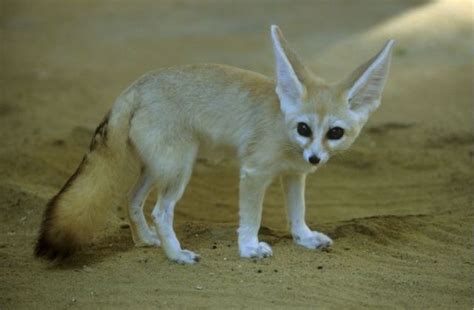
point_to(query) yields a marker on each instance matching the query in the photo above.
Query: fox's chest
(294, 166)
(276, 166)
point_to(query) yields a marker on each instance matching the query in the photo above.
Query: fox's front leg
(293, 187)
(252, 191)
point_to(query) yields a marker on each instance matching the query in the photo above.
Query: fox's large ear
(290, 73)
(363, 88)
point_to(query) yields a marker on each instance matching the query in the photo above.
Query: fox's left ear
(363, 88)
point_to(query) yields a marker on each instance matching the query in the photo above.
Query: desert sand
(398, 204)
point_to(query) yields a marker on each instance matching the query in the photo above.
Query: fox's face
(323, 119)
(323, 126)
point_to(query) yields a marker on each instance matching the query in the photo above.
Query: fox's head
(326, 118)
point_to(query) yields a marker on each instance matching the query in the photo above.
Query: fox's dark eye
(335, 133)
(304, 130)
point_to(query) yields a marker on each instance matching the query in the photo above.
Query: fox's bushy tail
(102, 180)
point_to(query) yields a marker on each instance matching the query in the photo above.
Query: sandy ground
(398, 205)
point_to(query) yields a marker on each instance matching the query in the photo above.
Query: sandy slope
(398, 205)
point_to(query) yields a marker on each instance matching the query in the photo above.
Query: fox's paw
(258, 250)
(314, 240)
(185, 257)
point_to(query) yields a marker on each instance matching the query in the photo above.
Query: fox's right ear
(363, 88)
(290, 73)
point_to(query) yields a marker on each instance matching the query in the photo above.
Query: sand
(398, 204)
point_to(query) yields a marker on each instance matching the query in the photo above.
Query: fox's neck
(269, 140)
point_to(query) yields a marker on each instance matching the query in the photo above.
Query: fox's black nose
(314, 160)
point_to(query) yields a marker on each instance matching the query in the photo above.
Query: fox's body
(162, 122)
(240, 117)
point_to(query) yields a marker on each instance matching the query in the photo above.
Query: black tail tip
(52, 251)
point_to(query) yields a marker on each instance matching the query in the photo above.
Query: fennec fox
(277, 128)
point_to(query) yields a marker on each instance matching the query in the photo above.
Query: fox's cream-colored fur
(167, 118)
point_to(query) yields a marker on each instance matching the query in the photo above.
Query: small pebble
(199, 287)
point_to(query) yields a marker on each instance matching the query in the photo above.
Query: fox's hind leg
(141, 233)
(173, 172)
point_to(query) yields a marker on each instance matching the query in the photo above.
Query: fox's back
(205, 86)
(213, 103)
